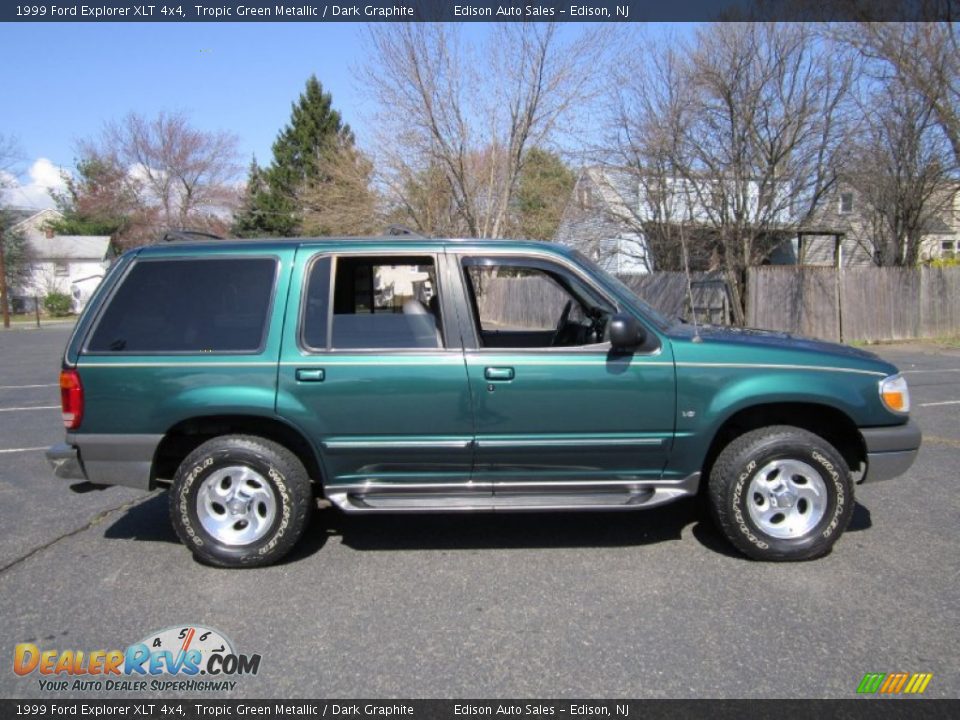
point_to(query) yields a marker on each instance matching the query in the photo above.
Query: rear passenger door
(372, 370)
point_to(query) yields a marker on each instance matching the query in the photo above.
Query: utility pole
(3, 284)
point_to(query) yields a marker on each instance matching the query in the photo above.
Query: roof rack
(398, 230)
(188, 235)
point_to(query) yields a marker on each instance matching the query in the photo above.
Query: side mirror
(626, 334)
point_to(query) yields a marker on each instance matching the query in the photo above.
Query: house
(69, 264)
(613, 211)
(597, 221)
(846, 210)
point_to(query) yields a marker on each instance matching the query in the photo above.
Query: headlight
(895, 394)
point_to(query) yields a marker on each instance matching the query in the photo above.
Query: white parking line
(24, 387)
(943, 402)
(37, 407)
(15, 450)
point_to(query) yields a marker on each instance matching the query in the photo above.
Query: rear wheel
(240, 501)
(781, 493)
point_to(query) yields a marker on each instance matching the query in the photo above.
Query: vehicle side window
(202, 305)
(379, 302)
(521, 306)
(316, 309)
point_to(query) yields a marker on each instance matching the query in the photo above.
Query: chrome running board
(511, 497)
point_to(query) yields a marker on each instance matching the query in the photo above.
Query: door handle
(498, 373)
(310, 374)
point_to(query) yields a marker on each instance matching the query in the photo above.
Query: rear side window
(378, 302)
(215, 305)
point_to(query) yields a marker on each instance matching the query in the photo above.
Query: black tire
(736, 481)
(285, 480)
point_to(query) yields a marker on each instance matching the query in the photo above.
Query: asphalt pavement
(646, 605)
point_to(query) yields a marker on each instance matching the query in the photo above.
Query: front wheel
(781, 493)
(240, 501)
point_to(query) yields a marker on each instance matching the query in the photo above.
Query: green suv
(259, 378)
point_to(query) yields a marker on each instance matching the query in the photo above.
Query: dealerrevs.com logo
(178, 659)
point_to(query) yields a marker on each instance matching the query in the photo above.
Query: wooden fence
(855, 304)
(535, 303)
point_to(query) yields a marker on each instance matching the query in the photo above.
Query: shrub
(945, 262)
(58, 304)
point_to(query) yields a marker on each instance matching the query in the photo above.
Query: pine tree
(256, 212)
(272, 206)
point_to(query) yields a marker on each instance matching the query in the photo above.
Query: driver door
(553, 405)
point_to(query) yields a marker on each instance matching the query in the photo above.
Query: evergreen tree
(253, 219)
(272, 206)
(543, 191)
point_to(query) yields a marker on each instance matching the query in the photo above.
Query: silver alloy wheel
(787, 498)
(236, 505)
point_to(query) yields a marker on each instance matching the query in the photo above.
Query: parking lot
(625, 605)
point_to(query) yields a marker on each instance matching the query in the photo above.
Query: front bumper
(65, 461)
(890, 450)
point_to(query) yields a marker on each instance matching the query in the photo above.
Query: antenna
(686, 271)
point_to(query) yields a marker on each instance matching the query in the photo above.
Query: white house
(612, 207)
(70, 264)
(596, 222)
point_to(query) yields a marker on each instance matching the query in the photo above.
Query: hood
(768, 339)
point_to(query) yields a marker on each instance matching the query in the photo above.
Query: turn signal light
(71, 399)
(895, 394)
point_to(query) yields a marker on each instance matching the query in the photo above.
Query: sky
(62, 82)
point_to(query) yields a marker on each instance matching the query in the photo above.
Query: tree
(15, 259)
(301, 157)
(923, 57)
(901, 173)
(340, 199)
(738, 134)
(422, 199)
(13, 252)
(907, 147)
(468, 115)
(252, 218)
(172, 174)
(543, 190)
(101, 198)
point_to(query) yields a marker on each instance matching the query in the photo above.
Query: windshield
(613, 281)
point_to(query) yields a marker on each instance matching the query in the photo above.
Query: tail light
(71, 399)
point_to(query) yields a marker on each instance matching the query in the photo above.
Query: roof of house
(71, 247)
(31, 217)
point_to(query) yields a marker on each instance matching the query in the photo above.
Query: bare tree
(901, 174)
(187, 174)
(923, 57)
(342, 201)
(10, 155)
(736, 136)
(470, 114)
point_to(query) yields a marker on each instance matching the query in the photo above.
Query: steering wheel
(562, 323)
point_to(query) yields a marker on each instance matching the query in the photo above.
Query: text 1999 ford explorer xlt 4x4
(408, 375)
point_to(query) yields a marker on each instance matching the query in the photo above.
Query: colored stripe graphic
(894, 683)
(890, 684)
(871, 682)
(918, 683)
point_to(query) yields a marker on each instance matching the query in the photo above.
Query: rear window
(215, 305)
